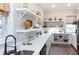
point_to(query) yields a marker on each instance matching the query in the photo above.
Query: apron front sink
(24, 52)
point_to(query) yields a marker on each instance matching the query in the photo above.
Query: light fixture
(69, 5)
(53, 5)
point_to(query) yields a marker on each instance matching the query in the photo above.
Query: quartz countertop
(37, 44)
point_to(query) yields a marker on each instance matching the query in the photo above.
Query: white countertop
(37, 44)
(2, 41)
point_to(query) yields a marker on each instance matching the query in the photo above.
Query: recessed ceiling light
(53, 5)
(69, 5)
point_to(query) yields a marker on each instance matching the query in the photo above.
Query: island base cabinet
(43, 50)
(73, 41)
(48, 45)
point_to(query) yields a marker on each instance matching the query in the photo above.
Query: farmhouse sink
(24, 52)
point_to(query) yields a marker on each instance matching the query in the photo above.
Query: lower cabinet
(48, 44)
(43, 50)
(46, 48)
(61, 38)
(73, 41)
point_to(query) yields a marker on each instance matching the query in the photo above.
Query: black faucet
(38, 33)
(12, 51)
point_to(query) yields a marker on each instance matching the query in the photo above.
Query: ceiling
(58, 6)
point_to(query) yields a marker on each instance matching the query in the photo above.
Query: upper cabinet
(4, 7)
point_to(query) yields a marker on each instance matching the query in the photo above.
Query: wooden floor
(59, 49)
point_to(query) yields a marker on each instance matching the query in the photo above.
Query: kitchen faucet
(38, 33)
(12, 51)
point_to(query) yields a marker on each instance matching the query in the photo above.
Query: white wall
(10, 25)
(59, 14)
(32, 6)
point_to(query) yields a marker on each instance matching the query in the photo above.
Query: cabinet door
(74, 42)
(51, 38)
(70, 39)
(48, 45)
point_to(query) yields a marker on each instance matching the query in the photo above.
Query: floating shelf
(28, 11)
(28, 30)
(51, 21)
(22, 13)
(60, 42)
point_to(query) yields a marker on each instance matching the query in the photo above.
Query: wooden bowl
(27, 24)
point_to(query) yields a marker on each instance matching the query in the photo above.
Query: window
(2, 25)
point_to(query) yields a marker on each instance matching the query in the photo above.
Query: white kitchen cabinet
(73, 41)
(48, 45)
